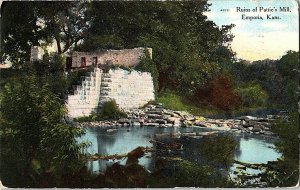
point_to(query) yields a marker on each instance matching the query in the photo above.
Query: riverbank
(155, 115)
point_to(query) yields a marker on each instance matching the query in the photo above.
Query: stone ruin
(125, 57)
(129, 89)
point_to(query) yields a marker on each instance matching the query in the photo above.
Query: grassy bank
(174, 101)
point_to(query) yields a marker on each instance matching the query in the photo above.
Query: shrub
(252, 94)
(110, 110)
(34, 140)
(219, 92)
(147, 65)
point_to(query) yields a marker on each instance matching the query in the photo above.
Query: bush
(34, 140)
(252, 94)
(219, 92)
(110, 110)
(147, 65)
(286, 172)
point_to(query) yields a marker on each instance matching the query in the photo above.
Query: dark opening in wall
(95, 61)
(68, 63)
(83, 61)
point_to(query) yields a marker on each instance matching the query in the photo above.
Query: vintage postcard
(149, 94)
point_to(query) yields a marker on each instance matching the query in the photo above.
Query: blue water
(253, 149)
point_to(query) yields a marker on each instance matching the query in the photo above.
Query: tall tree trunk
(59, 50)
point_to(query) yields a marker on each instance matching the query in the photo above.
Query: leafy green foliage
(26, 24)
(220, 93)
(252, 95)
(286, 172)
(32, 126)
(188, 174)
(175, 101)
(184, 56)
(147, 65)
(218, 150)
(18, 31)
(288, 132)
(278, 78)
(110, 110)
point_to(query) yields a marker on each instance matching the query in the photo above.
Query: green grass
(174, 101)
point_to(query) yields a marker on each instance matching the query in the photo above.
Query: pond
(251, 148)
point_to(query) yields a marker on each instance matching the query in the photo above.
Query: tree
(27, 24)
(66, 22)
(288, 67)
(252, 94)
(222, 94)
(35, 142)
(182, 39)
(18, 31)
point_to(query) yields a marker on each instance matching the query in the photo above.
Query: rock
(247, 118)
(169, 125)
(266, 128)
(207, 133)
(123, 120)
(186, 124)
(137, 153)
(177, 125)
(174, 120)
(263, 120)
(241, 167)
(238, 131)
(256, 128)
(155, 116)
(152, 124)
(196, 137)
(235, 127)
(189, 134)
(182, 113)
(149, 121)
(268, 133)
(166, 112)
(199, 123)
(160, 121)
(159, 112)
(189, 117)
(200, 118)
(244, 123)
(136, 124)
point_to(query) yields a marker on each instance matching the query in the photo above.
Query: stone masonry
(126, 57)
(129, 89)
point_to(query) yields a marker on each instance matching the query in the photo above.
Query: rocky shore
(158, 116)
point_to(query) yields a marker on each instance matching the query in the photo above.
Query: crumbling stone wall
(129, 90)
(126, 57)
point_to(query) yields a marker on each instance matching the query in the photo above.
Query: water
(251, 148)
(256, 150)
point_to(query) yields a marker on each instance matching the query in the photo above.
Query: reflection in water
(256, 149)
(250, 148)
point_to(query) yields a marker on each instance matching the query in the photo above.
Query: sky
(258, 39)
